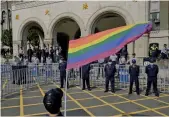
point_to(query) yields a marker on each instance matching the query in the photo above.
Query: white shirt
(20, 51)
(101, 60)
(113, 57)
(122, 60)
(36, 61)
(25, 62)
(164, 50)
(49, 61)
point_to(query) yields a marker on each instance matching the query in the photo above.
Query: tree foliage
(6, 38)
(33, 36)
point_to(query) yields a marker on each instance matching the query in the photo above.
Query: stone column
(16, 46)
(130, 48)
(48, 42)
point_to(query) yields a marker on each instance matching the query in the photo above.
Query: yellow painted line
(104, 101)
(9, 107)
(141, 105)
(96, 106)
(10, 99)
(157, 100)
(43, 94)
(77, 103)
(162, 107)
(5, 84)
(42, 103)
(32, 97)
(36, 114)
(117, 115)
(21, 102)
(32, 104)
(136, 112)
(83, 92)
(116, 103)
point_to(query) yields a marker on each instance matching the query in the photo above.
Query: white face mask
(61, 61)
(151, 63)
(109, 63)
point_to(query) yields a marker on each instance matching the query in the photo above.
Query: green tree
(6, 38)
(33, 36)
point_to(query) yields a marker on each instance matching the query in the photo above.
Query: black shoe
(112, 91)
(83, 88)
(61, 87)
(157, 95)
(130, 93)
(106, 91)
(89, 89)
(138, 93)
(146, 94)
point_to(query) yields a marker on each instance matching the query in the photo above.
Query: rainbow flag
(103, 44)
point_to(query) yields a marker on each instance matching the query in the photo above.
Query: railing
(13, 77)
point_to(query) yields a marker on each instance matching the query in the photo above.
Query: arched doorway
(33, 36)
(65, 30)
(107, 20)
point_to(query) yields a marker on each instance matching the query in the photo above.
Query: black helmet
(152, 60)
(53, 100)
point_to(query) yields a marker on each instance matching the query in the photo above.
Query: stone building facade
(72, 19)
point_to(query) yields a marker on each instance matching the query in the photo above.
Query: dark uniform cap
(152, 60)
(53, 100)
(133, 61)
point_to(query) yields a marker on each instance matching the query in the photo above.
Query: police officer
(85, 76)
(154, 51)
(110, 70)
(134, 71)
(25, 61)
(49, 60)
(53, 102)
(152, 71)
(30, 53)
(164, 52)
(62, 68)
(52, 54)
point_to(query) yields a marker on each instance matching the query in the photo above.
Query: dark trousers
(154, 82)
(132, 80)
(62, 78)
(111, 79)
(100, 70)
(30, 58)
(86, 81)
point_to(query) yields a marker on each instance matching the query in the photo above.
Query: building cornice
(30, 4)
(159, 34)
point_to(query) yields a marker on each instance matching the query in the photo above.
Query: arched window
(10, 18)
(3, 18)
(3, 15)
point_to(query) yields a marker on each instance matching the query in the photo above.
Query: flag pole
(65, 98)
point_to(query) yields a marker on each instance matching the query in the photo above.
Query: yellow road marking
(104, 101)
(116, 103)
(36, 114)
(21, 102)
(141, 105)
(43, 94)
(82, 92)
(136, 112)
(9, 107)
(5, 84)
(77, 103)
(157, 100)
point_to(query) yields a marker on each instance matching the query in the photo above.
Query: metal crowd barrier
(122, 77)
(28, 76)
